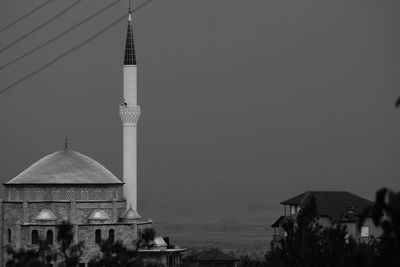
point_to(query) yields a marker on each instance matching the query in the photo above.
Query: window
(85, 195)
(70, 195)
(365, 231)
(111, 235)
(97, 236)
(40, 195)
(27, 195)
(98, 194)
(49, 237)
(35, 237)
(9, 235)
(55, 195)
(292, 210)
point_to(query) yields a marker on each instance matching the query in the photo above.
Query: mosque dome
(99, 215)
(46, 215)
(65, 167)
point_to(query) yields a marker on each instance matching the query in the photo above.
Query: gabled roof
(333, 203)
(65, 167)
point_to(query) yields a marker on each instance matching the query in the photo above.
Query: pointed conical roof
(130, 215)
(130, 56)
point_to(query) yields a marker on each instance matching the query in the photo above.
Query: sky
(251, 101)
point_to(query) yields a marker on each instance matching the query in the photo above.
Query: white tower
(130, 113)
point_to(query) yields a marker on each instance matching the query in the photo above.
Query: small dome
(65, 167)
(130, 215)
(46, 215)
(159, 242)
(100, 215)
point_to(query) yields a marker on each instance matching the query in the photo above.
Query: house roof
(333, 203)
(65, 167)
(209, 255)
(277, 223)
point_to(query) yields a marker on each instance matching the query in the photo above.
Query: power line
(59, 35)
(25, 15)
(5, 89)
(41, 25)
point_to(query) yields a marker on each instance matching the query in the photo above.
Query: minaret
(130, 113)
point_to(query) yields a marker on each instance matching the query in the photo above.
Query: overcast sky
(250, 97)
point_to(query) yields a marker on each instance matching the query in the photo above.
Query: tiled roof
(65, 167)
(333, 203)
(130, 56)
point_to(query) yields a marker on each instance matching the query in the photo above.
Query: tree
(41, 257)
(146, 239)
(310, 244)
(115, 254)
(385, 213)
(69, 252)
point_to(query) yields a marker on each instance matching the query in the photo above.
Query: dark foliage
(168, 242)
(41, 257)
(309, 244)
(115, 254)
(146, 238)
(385, 213)
(69, 252)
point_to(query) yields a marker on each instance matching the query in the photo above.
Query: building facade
(69, 186)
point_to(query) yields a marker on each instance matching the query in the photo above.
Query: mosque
(67, 185)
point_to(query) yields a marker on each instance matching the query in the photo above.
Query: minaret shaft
(130, 113)
(130, 85)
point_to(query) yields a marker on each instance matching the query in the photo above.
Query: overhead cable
(69, 51)
(55, 38)
(25, 15)
(40, 26)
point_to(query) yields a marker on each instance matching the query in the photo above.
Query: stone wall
(125, 232)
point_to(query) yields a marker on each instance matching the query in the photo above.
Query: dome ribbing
(65, 167)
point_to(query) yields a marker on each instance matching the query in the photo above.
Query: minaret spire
(130, 55)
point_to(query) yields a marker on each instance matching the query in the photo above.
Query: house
(333, 207)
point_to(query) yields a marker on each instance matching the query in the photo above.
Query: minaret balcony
(129, 114)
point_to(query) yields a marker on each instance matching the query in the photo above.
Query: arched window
(49, 237)
(9, 236)
(97, 236)
(111, 235)
(35, 237)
